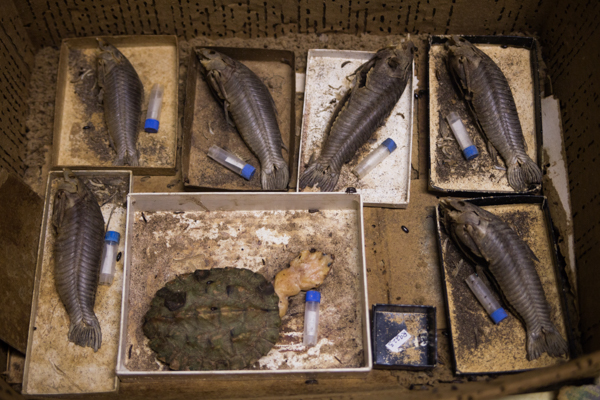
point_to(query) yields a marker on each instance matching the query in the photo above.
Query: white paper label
(395, 344)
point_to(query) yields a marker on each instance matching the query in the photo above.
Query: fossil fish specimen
(484, 237)
(216, 319)
(377, 86)
(486, 89)
(78, 248)
(307, 271)
(250, 108)
(122, 93)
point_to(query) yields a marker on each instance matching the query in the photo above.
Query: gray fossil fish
(247, 100)
(78, 248)
(485, 87)
(483, 236)
(377, 86)
(122, 93)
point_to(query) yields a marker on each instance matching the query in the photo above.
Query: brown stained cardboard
(480, 346)
(48, 22)
(81, 138)
(21, 211)
(571, 52)
(205, 123)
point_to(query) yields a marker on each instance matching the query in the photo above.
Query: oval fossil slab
(217, 319)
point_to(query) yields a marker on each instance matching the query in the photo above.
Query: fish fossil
(250, 108)
(122, 93)
(486, 89)
(483, 236)
(79, 228)
(377, 86)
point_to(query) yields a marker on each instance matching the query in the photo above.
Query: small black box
(404, 337)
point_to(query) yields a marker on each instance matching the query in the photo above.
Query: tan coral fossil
(307, 271)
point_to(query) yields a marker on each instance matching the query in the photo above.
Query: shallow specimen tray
(388, 185)
(479, 346)
(172, 234)
(410, 331)
(81, 139)
(449, 171)
(205, 124)
(55, 366)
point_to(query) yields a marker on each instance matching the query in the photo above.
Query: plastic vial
(486, 298)
(374, 158)
(461, 135)
(231, 162)
(109, 257)
(154, 105)
(311, 318)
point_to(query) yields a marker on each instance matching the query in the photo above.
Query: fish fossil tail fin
(321, 176)
(546, 339)
(86, 335)
(275, 176)
(523, 172)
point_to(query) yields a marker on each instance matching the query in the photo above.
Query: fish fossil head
(463, 58)
(212, 60)
(69, 191)
(109, 56)
(465, 223)
(398, 59)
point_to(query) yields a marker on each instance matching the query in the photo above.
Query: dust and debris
(480, 346)
(449, 169)
(56, 365)
(170, 244)
(326, 84)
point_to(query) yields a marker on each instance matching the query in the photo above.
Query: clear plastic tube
(109, 257)
(462, 136)
(311, 318)
(374, 158)
(154, 107)
(486, 298)
(231, 162)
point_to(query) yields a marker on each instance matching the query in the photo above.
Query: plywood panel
(571, 43)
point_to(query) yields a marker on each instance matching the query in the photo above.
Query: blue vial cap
(248, 171)
(112, 236)
(470, 152)
(151, 125)
(390, 144)
(313, 295)
(498, 315)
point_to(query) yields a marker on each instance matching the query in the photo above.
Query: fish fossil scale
(78, 248)
(377, 87)
(485, 86)
(252, 110)
(511, 262)
(123, 96)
